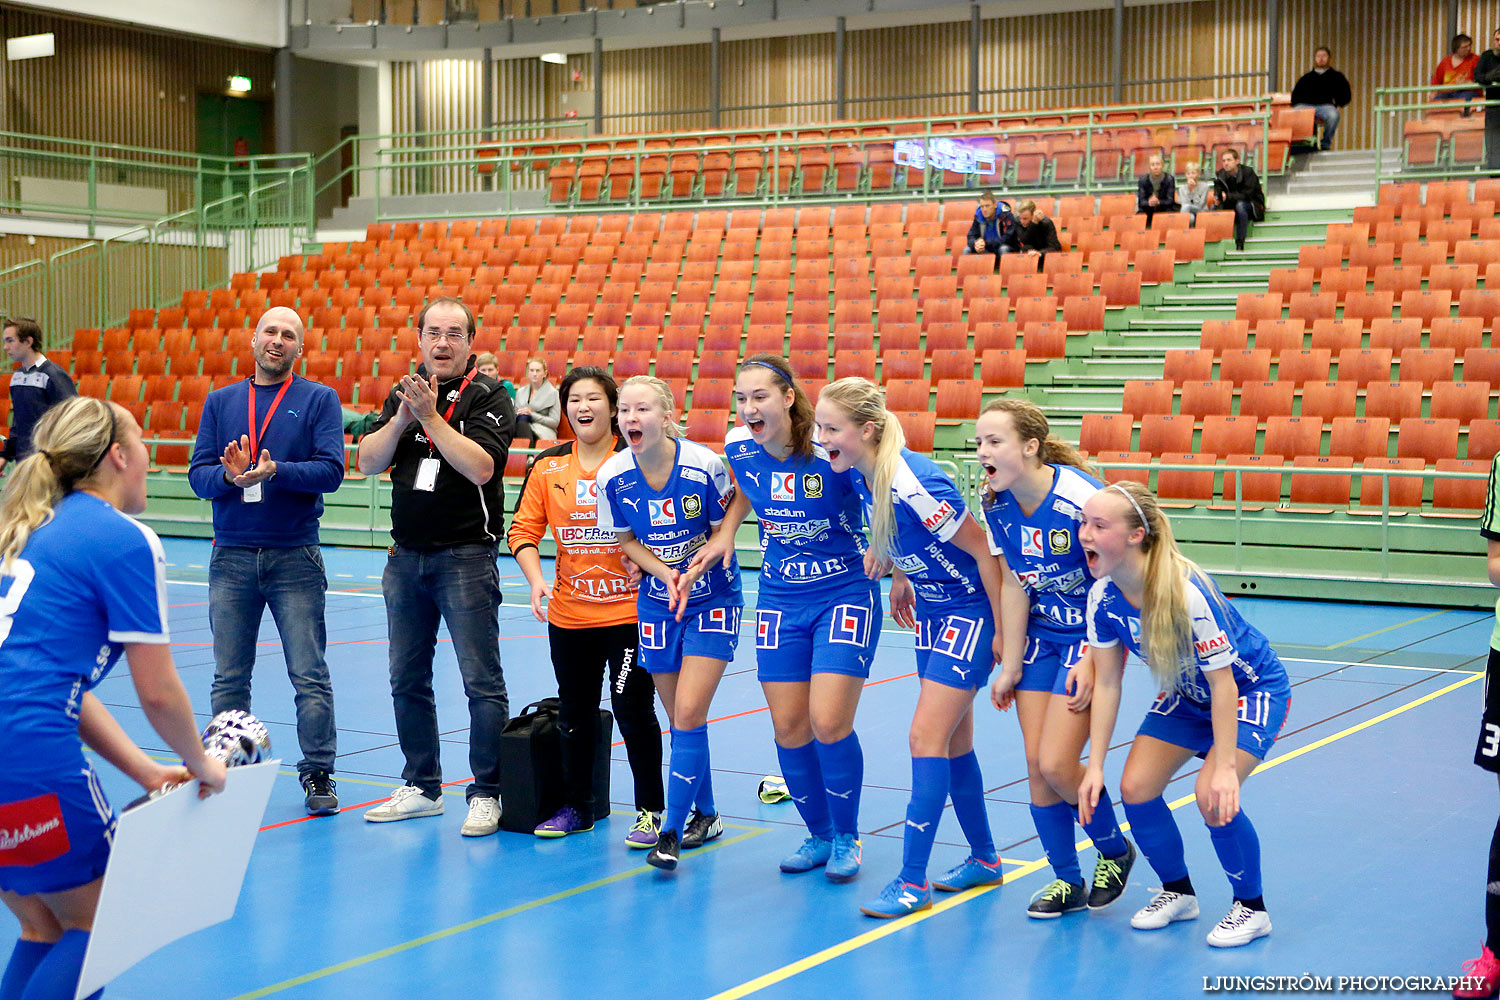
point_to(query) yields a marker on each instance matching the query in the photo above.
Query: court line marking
(478, 922)
(1388, 628)
(890, 927)
(1387, 666)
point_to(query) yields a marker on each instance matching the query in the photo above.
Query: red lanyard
(254, 437)
(431, 448)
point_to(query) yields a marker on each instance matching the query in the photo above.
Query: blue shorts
(1046, 664)
(1175, 720)
(833, 635)
(58, 830)
(956, 648)
(714, 633)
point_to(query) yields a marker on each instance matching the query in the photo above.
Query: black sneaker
(664, 854)
(322, 799)
(701, 829)
(1110, 875)
(1057, 898)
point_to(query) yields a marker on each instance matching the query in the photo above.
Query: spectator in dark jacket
(1156, 191)
(1325, 90)
(1237, 187)
(1487, 72)
(37, 385)
(1034, 234)
(992, 227)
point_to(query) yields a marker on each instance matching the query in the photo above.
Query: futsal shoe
(664, 855)
(1481, 976)
(483, 818)
(322, 798)
(814, 853)
(1110, 876)
(898, 899)
(969, 875)
(843, 861)
(701, 829)
(406, 802)
(1057, 898)
(1166, 908)
(647, 828)
(1240, 926)
(566, 821)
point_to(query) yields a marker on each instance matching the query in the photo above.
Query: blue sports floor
(1373, 821)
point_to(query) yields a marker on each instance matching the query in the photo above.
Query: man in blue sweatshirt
(993, 229)
(268, 449)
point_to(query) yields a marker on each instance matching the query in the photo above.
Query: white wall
(248, 22)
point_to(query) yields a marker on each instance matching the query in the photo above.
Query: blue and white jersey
(929, 511)
(87, 582)
(809, 517)
(674, 522)
(1221, 638)
(1044, 553)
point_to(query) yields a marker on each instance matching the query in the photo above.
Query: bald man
(268, 448)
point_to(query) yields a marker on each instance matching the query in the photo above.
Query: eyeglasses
(451, 336)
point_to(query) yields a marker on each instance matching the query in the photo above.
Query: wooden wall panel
(658, 90)
(1021, 53)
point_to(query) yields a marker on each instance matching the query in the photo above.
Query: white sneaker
(1166, 908)
(406, 802)
(484, 817)
(1240, 925)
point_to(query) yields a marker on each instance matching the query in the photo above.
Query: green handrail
(1389, 102)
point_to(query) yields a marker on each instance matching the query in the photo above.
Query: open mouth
(1091, 557)
(756, 426)
(833, 454)
(989, 470)
(584, 419)
(633, 436)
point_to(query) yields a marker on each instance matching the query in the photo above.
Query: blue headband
(770, 367)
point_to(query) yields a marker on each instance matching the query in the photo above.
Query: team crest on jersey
(585, 492)
(692, 505)
(1060, 541)
(783, 486)
(1031, 541)
(663, 512)
(812, 485)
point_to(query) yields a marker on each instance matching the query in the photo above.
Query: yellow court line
(478, 922)
(890, 927)
(1379, 631)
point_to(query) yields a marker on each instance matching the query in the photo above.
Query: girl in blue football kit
(662, 497)
(1224, 697)
(818, 615)
(947, 586)
(80, 583)
(1037, 486)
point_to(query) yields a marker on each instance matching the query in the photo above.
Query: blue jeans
(241, 583)
(460, 585)
(1328, 114)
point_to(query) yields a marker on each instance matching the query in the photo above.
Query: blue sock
(966, 789)
(704, 800)
(843, 765)
(804, 779)
(686, 773)
(1159, 839)
(56, 975)
(1239, 852)
(23, 962)
(1104, 829)
(1054, 827)
(929, 793)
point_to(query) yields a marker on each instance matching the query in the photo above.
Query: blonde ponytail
(71, 440)
(864, 402)
(1031, 424)
(664, 396)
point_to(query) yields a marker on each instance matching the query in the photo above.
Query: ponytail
(800, 414)
(71, 440)
(1031, 424)
(664, 397)
(864, 402)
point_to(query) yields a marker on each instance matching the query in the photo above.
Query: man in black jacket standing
(36, 387)
(1237, 187)
(1325, 90)
(1487, 73)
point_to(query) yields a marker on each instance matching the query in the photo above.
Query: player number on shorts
(20, 581)
(1491, 740)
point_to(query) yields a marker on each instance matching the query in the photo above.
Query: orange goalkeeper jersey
(591, 586)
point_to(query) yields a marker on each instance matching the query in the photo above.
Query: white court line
(1388, 666)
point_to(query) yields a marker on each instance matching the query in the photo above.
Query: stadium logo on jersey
(783, 486)
(720, 621)
(957, 638)
(692, 505)
(1031, 541)
(812, 485)
(767, 629)
(850, 625)
(1060, 541)
(585, 492)
(1213, 644)
(663, 512)
(939, 517)
(653, 635)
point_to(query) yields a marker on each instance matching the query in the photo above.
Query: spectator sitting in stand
(1326, 91)
(1237, 188)
(1456, 68)
(1034, 234)
(1196, 194)
(992, 227)
(1156, 191)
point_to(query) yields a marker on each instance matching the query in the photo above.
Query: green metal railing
(1398, 107)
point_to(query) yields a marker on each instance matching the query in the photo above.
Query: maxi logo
(939, 516)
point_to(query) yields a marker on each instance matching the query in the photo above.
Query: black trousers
(580, 658)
